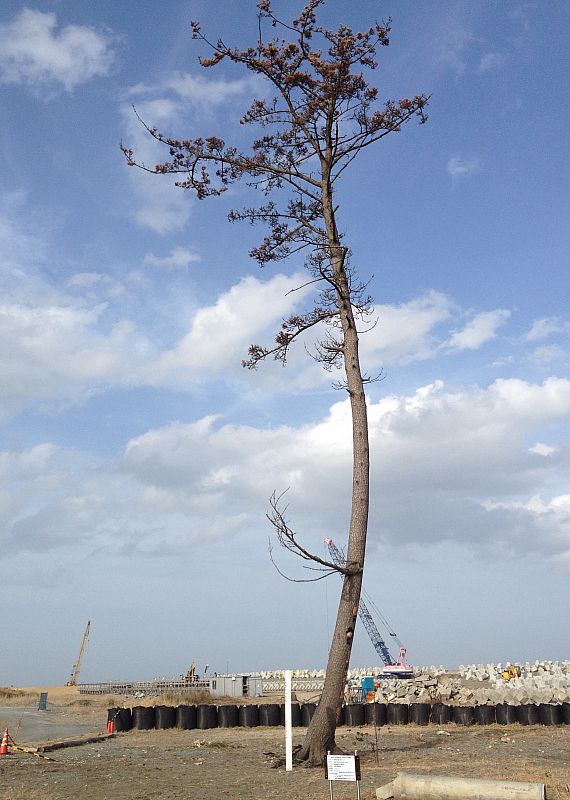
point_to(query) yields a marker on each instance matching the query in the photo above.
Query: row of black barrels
(202, 717)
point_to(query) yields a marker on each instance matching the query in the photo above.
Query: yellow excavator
(511, 672)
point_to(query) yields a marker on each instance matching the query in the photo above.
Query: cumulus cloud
(460, 166)
(178, 258)
(220, 334)
(405, 332)
(58, 351)
(446, 466)
(65, 345)
(33, 52)
(482, 328)
(62, 347)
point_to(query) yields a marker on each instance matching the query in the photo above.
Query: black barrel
(228, 716)
(269, 715)
(248, 716)
(397, 714)
(112, 713)
(206, 717)
(528, 714)
(463, 715)
(354, 714)
(550, 714)
(143, 718)
(419, 713)
(186, 717)
(307, 711)
(295, 714)
(375, 712)
(164, 717)
(484, 715)
(566, 713)
(440, 714)
(123, 719)
(505, 714)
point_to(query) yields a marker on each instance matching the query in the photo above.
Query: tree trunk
(320, 736)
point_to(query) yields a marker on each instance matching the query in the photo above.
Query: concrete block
(385, 792)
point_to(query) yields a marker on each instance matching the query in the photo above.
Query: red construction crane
(399, 668)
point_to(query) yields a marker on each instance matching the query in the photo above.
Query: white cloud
(446, 466)
(491, 61)
(542, 449)
(547, 354)
(460, 166)
(178, 258)
(521, 14)
(544, 327)
(196, 89)
(452, 43)
(51, 351)
(32, 52)
(220, 334)
(404, 332)
(161, 206)
(63, 346)
(543, 526)
(482, 328)
(57, 347)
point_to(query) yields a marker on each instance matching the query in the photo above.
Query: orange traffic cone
(111, 726)
(4, 745)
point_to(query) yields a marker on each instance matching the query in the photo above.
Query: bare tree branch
(287, 538)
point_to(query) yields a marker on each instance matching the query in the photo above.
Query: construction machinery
(77, 666)
(510, 672)
(394, 668)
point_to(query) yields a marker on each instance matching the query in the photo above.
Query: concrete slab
(27, 725)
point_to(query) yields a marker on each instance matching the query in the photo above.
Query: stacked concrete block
(474, 684)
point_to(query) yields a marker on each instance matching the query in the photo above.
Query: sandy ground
(237, 763)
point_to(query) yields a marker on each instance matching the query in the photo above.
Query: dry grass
(184, 697)
(69, 697)
(62, 696)
(16, 697)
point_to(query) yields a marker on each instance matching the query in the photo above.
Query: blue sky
(137, 457)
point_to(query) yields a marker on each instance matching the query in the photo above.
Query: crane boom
(77, 666)
(379, 644)
(395, 667)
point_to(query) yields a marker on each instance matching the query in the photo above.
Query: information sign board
(342, 768)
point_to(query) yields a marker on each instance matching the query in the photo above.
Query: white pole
(288, 725)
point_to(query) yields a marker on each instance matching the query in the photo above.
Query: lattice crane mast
(77, 666)
(398, 667)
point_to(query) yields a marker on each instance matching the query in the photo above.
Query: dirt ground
(237, 763)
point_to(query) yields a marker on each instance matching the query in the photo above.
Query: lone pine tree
(322, 115)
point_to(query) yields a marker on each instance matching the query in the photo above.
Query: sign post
(288, 722)
(343, 768)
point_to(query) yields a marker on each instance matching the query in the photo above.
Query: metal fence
(159, 686)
